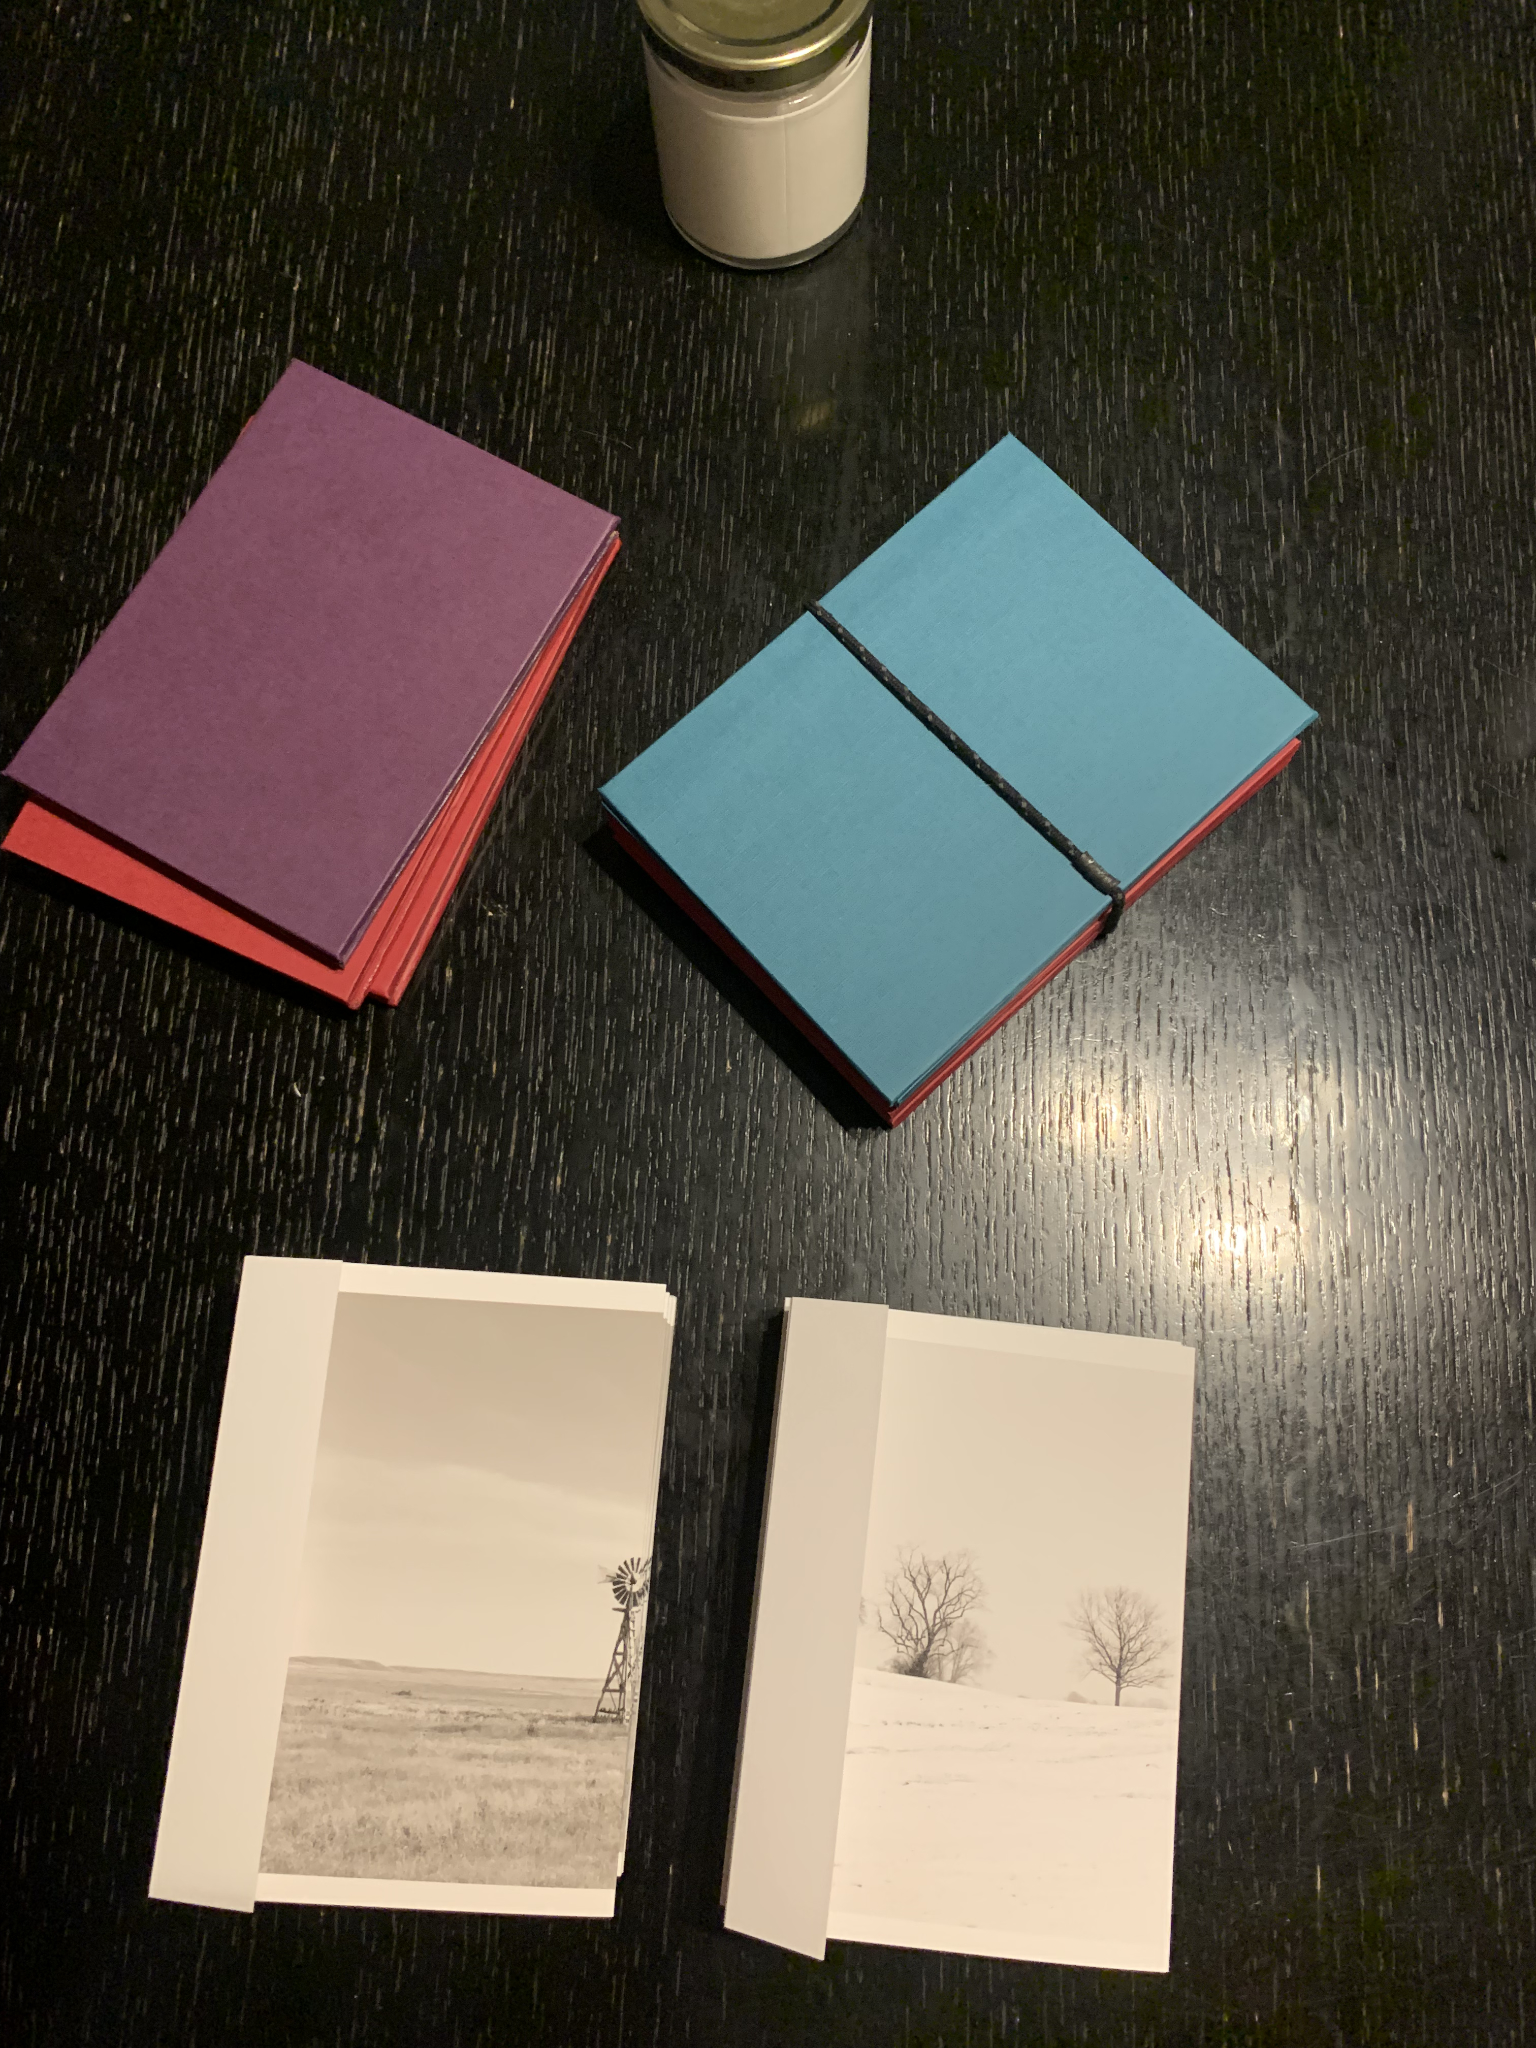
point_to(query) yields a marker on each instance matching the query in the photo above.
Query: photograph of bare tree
(1008, 1783)
(466, 1656)
(1122, 1638)
(929, 1616)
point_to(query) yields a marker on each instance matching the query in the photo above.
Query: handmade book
(925, 797)
(960, 1726)
(314, 659)
(413, 1662)
(390, 949)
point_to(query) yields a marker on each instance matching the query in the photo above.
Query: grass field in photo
(449, 1776)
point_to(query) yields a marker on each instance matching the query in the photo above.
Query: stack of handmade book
(288, 740)
(943, 782)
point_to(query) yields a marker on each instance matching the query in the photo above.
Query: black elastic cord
(1097, 877)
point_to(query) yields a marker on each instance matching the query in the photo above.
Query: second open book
(960, 1728)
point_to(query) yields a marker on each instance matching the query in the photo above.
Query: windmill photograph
(466, 1659)
(630, 1585)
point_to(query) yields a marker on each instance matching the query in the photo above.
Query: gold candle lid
(754, 45)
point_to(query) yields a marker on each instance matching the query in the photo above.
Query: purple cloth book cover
(309, 663)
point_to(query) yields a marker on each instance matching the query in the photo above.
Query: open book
(414, 1654)
(960, 1728)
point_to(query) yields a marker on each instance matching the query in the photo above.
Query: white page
(231, 1698)
(804, 1624)
(485, 1451)
(996, 1815)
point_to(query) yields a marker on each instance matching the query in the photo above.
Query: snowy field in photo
(973, 1820)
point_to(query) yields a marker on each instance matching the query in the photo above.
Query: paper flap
(231, 1701)
(789, 1769)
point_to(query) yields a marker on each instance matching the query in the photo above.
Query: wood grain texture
(1259, 283)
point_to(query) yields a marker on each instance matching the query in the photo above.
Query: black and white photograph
(466, 1654)
(1013, 1733)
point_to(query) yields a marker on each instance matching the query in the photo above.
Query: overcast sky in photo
(481, 1467)
(1056, 1476)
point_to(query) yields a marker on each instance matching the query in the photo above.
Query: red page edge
(397, 963)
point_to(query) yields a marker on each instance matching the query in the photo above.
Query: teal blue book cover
(870, 815)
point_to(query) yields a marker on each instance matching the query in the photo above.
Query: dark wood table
(1258, 282)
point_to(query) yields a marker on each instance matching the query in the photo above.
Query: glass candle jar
(762, 122)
